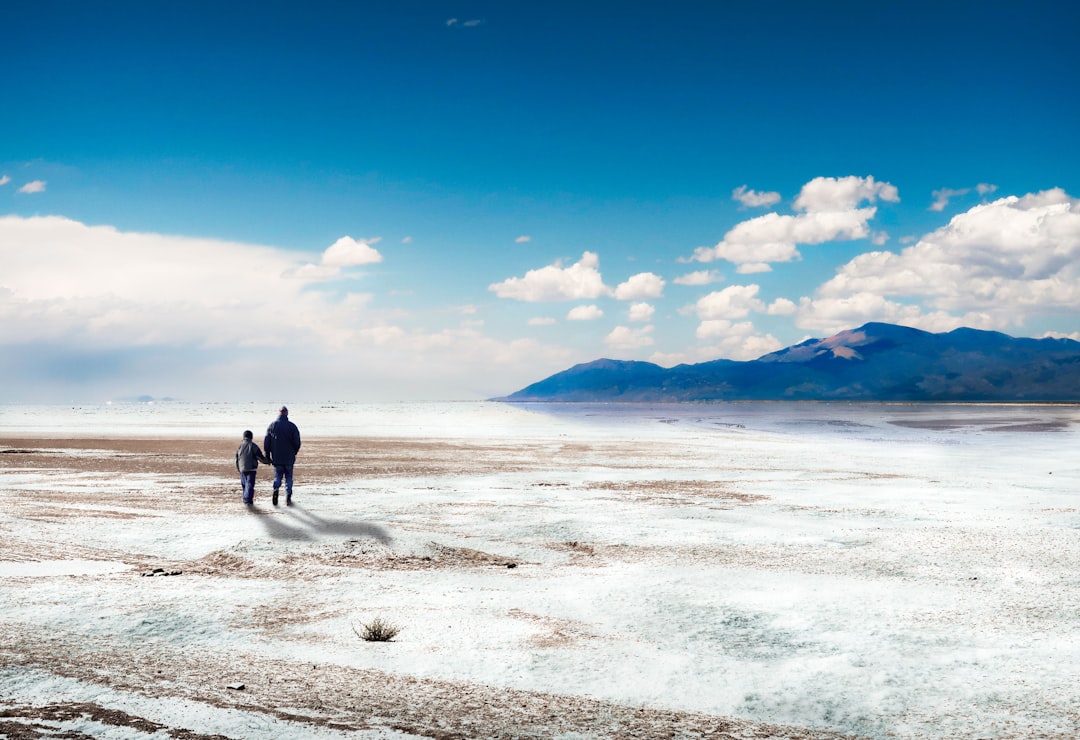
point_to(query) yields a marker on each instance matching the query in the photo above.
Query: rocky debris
(161, 572)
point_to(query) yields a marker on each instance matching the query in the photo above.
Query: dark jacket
(282, 441)
(248, 456)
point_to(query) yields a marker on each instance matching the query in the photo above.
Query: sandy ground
(74, 503)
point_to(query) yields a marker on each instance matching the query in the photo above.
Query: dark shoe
(274, 499)
(288, 500)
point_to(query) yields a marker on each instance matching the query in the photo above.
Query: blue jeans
(247, 486)
(286, 470)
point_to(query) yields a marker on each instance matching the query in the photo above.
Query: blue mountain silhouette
(875, 362)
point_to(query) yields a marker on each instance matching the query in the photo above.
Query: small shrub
(377, 630)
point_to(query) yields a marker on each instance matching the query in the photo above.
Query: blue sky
(449, 200)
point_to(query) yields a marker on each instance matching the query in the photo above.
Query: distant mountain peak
(876, 361)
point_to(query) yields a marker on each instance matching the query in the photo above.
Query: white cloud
(523, 239)
(542, 321)
(406, 240)
(993, 266)
(753, 199)
(4, 180)
(830, 212)
(782, 307)
(349, 252)
(711, 328)
(733, 302)
(751, 268)
(581, 280)
(700, 277)
(985, 188)
(627, 338)
(642, 285)
(830, 194)
(830, 315)
(1074, 335)
(734, 341)
(584, 313)
(35, 186)
(641, 312)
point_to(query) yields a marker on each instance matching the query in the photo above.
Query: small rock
(511, 565)
(236, 686)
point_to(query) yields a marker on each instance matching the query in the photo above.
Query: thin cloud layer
(753, 199)
(34, 186)
(625, 338)
(700, 277)
(225, 316)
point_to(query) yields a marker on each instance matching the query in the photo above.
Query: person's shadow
(307, 526)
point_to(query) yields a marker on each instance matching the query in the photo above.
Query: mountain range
(875, 362)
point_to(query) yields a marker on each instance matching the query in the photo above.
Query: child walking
(248, 457)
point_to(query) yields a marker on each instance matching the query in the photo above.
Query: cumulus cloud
(753, 199)
(830, 194)
(349, 252)
(641, 312)
(642, 285)
(985, 188)
(627, 338)
(542, 321)
(584, 313)
(34, 186)
(782, 307)
(700, 277)
(523, 239)
(829, 211)
(581, 280)
(733, 302)
(992, 266)
(4, 180)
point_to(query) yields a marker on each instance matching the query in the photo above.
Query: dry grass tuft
(377, 630)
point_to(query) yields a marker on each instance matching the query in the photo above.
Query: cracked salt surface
(889, 571)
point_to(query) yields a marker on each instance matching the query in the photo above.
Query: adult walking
(282, 442)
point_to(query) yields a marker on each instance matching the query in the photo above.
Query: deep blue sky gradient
(619, 128)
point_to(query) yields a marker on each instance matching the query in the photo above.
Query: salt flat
(754, 570)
